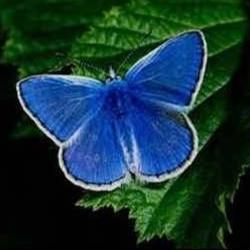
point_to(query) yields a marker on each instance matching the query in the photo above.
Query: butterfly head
(112, 77)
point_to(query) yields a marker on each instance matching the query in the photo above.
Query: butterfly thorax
(117, 98)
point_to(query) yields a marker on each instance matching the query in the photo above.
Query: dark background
(37, 204)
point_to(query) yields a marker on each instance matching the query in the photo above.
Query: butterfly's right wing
(60, 104)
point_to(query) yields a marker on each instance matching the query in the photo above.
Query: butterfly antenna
(91, 66)
(133, 51)
(81, 62)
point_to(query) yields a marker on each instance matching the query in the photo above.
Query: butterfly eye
(108, 79)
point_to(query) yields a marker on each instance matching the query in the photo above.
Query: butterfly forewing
(60, 104)
(171, 73)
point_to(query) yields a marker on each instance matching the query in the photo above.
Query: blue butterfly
(132, 125)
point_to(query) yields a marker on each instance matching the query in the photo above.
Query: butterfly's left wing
(93, 158)
(59, 104)
(172, 73)
(69, 109)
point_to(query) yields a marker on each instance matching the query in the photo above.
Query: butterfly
(131, 126)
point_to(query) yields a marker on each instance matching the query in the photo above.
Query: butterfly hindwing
(171, 73)
(94, 158)
(163, 142)
(59, 104)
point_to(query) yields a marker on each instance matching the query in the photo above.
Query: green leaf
(38, 30)
(122, 28)
(188, 209)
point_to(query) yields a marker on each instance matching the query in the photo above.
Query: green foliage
(191, 208)
(38, 30)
